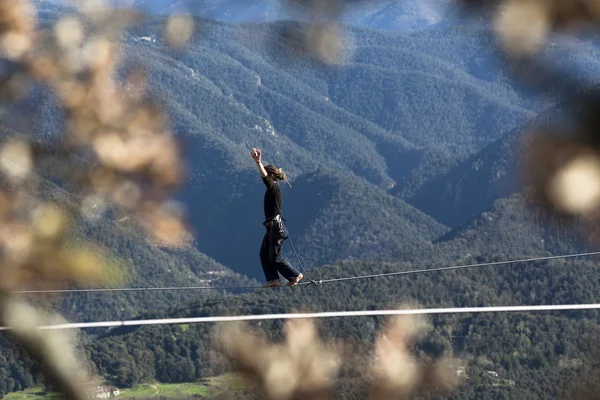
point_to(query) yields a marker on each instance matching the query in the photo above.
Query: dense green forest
(521, 347)
(543, 354)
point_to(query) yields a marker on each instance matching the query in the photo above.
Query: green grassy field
(166, 390)
(31, 394)
(204, 388)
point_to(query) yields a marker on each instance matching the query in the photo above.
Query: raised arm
(256, 155)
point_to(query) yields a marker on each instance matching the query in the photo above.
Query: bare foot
(273, 283)
(295, 281)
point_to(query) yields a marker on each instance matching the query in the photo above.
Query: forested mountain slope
(403, 109)
(497, 171)
(521, 347)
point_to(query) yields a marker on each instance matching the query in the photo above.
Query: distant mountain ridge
(408, 15)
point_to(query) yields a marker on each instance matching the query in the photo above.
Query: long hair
(277, 173)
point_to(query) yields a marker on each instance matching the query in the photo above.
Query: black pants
(271, 255)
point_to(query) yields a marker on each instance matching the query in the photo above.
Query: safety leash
(310, 281)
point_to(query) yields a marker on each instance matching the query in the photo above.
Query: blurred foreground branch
(54, 350)
(115, 148)
(304, 367)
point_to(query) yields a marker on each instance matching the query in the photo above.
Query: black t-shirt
(273, 198)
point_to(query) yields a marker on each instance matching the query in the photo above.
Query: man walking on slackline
(271, 255)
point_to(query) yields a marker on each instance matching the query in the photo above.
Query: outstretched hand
(256, 154)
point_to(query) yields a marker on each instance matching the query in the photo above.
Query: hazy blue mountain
(405, 15)
(400, 15)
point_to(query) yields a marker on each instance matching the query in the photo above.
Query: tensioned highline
(317, 283)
